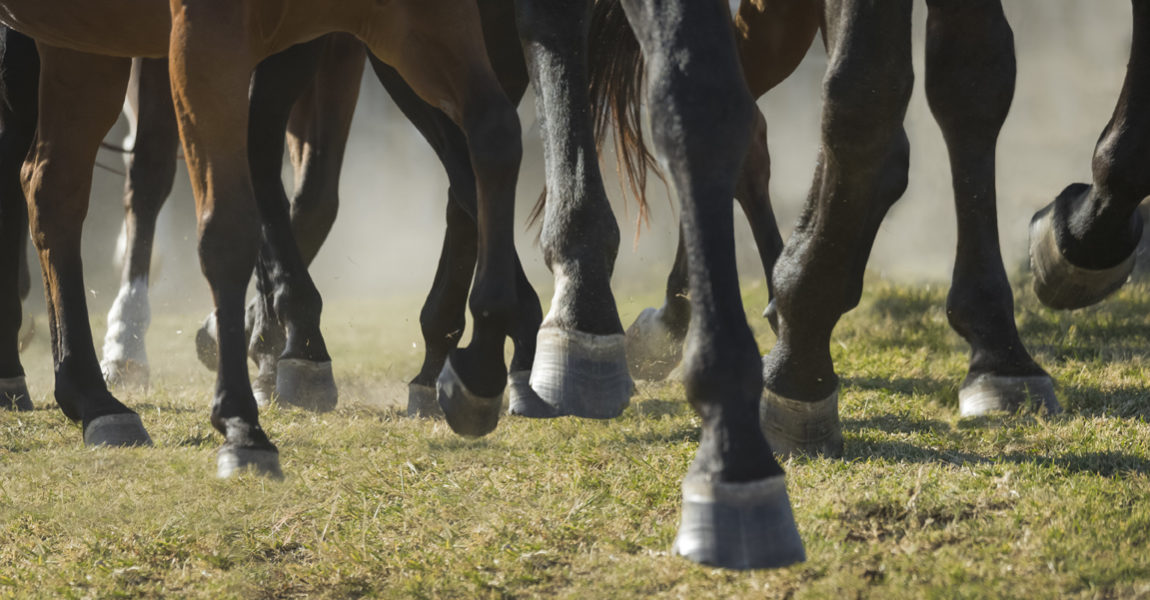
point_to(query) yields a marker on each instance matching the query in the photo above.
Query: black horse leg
(863, 167)
(754, 195)
(970, 72)
(1082, 245)
(151, 172)
(20, 70)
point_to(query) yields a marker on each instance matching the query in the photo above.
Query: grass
(924, 504)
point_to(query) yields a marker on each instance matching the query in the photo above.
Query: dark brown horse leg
(970, 72)
(736, 512)
(151, 171)
(580, 361)
(80, 98)
(863, 169)
(1082, 245)
(20, 70)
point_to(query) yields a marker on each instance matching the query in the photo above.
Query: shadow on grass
(1103, 464)
(891, 423)
(1127, 402)
(929, 386)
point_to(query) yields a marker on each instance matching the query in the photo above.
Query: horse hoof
(231, 460)
(206, 348)
(125, 373)
(523, 401)
(739, 525)
(1060, 284)
(771, 314)
(264, 385)
(582, 374)
(422, 402)
(806, 428)
(14, 394)
(121, 429)
(466, 413)
(996, 393)
(306, 384)
(652, 349)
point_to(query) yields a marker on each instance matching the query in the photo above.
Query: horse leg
(1082, 245)
(151, 172)
(20, 70)
(754, 195)
(210, 64)
(80, 98)
(970, 72)
(863, 167)
(580, 362)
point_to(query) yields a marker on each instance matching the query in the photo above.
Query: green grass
(924, 504)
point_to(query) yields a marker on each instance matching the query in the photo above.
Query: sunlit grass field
(923, 505)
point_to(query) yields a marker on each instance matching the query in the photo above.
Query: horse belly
(110, 27)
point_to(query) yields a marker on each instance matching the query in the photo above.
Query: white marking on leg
(128, 322)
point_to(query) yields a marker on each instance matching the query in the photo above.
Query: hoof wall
(1060, 284)
(997, 393)
(232, 460)
(206, 349)
(264, 386)
(123, 429)
(652, 349)
(423, 402)
(14, 394)
(306, 384)
(739, 525)
(771, 314)
(806, 428)
(582, 374)
(125, 373)
(466, 413)
(523, 401)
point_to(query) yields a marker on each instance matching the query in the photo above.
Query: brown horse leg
(210, 66)
(151, 171)
(80, 97)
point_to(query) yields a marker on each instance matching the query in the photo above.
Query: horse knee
(861, 117)
(228, 245)
(493, 138)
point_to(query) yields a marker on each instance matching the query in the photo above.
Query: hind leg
(1082, 245)
(151, 172)
(80, 97)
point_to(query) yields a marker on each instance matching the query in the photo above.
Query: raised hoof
(806, 428)
(739, 525)
(14, 394)
(652, 349)
(306, 384)
(1060, 284)
(422, 402)
(771, 314)
(264, 385)
(231, 460)
(466, 413)
(125, 373)
(999, 393)
(523, 401)
(121, 429)
(206, 348)
(582, 374)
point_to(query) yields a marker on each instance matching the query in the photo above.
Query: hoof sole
(306, 384)
(14, 394)
(996, 393)
(125, 373)
(806, 428)
(739, 525)
(523, 401)
(582, 374)
(652, 350)
(1060, 284)
(423, 402)
(124, 429)
(466, 413)
(206, 348)
(232, 460)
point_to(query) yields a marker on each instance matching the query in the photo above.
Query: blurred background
(386, 240)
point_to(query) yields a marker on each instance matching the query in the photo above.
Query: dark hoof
(122, 429)
(582, 374)
(999, 393)
(796, 427)
(466, 413)
(739, 525)
(125, 373)
(422, 402)
(771, 314)
(206, 348)
(232, 460)
(652, 349)
(306, 384)
(14, 394)
(1060, 284)
(523, 401)
(264, 385)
